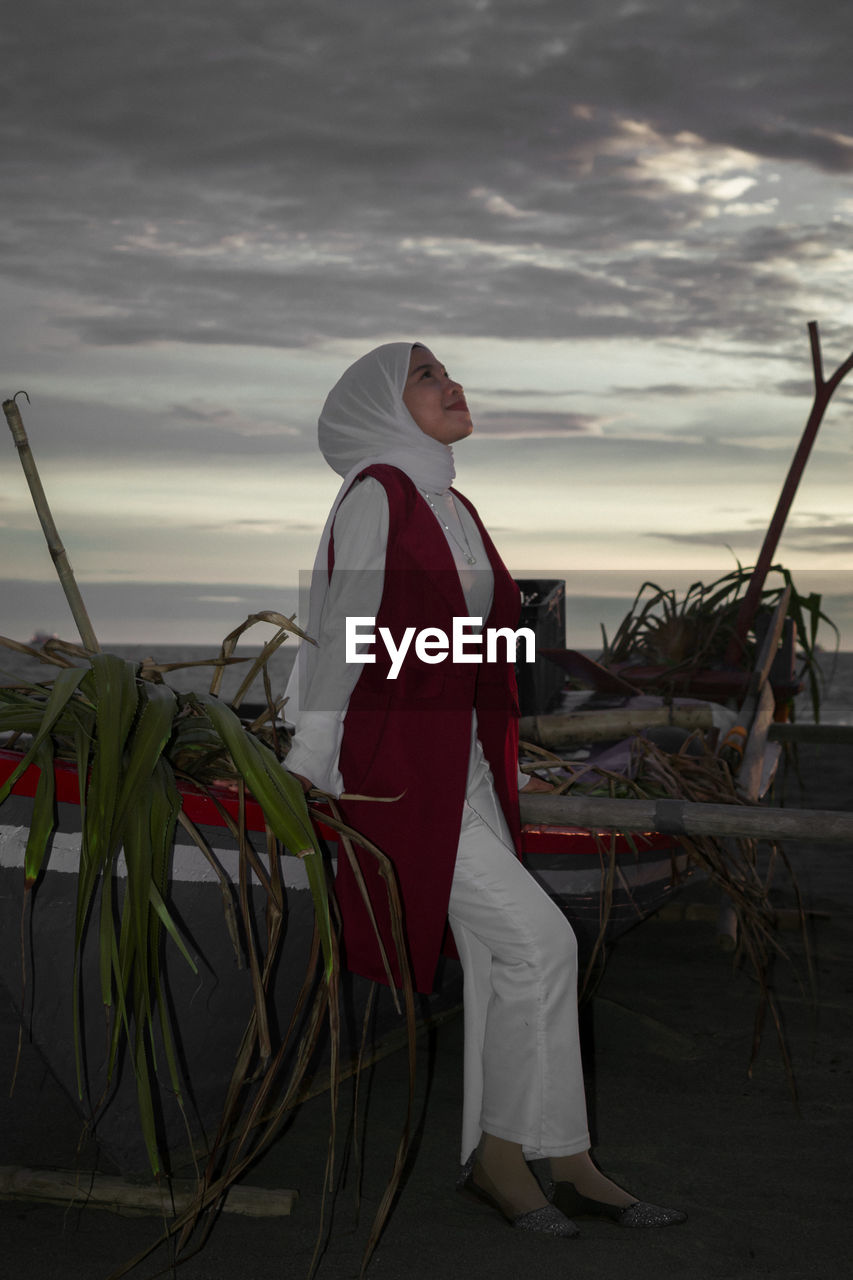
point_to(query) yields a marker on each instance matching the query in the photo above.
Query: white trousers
(523, 1079)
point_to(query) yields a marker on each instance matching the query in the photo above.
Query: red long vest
(410, 737)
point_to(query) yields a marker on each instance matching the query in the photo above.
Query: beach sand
(676, 1117)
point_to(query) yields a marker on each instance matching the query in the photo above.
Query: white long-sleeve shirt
(355, 590)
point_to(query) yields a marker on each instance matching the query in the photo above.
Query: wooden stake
(756, 713)
(51, 533)
(822, 396)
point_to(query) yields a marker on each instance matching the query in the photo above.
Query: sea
(835, 675)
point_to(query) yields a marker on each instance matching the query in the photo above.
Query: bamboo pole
(51, 533)
(600, 726)
(102, 1191)
(686, 818)
(823, 393)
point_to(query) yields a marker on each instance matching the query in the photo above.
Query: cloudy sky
(612, 219)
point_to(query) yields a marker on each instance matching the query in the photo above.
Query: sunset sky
(612, 220)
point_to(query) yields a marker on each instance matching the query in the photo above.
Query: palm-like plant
(125, 734)
(130, 735)
(693, 630)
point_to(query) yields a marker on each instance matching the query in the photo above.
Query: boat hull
(210, 1007)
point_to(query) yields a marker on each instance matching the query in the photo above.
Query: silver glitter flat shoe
(568, 1199)
(547, 1220)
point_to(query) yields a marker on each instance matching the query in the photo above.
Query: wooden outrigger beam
(562, 730)
(687, 818)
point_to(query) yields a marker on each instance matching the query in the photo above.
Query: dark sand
(676, 1118)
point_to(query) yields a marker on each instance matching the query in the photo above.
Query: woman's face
(434, 400)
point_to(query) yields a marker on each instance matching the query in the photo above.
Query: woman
(402, 549)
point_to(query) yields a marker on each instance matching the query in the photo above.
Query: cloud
(799, 388)
(220, 599)
(216, 420)
(528, 426)
(208, 206)
(263, 527)
(825, 536)
(673, 390)
(110, 430)
(259, 176)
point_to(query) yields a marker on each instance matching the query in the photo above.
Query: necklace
(466, 549)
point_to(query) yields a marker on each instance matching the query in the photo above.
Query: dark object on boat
(716, 684)
(543, 610)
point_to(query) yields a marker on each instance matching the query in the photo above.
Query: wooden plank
(750, 774)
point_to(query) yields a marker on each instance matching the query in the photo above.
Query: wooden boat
(212, 1006)
(572, 863)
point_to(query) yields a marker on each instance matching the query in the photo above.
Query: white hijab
(364, 421)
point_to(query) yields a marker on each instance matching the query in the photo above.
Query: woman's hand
(306, 783)
(536, 784)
